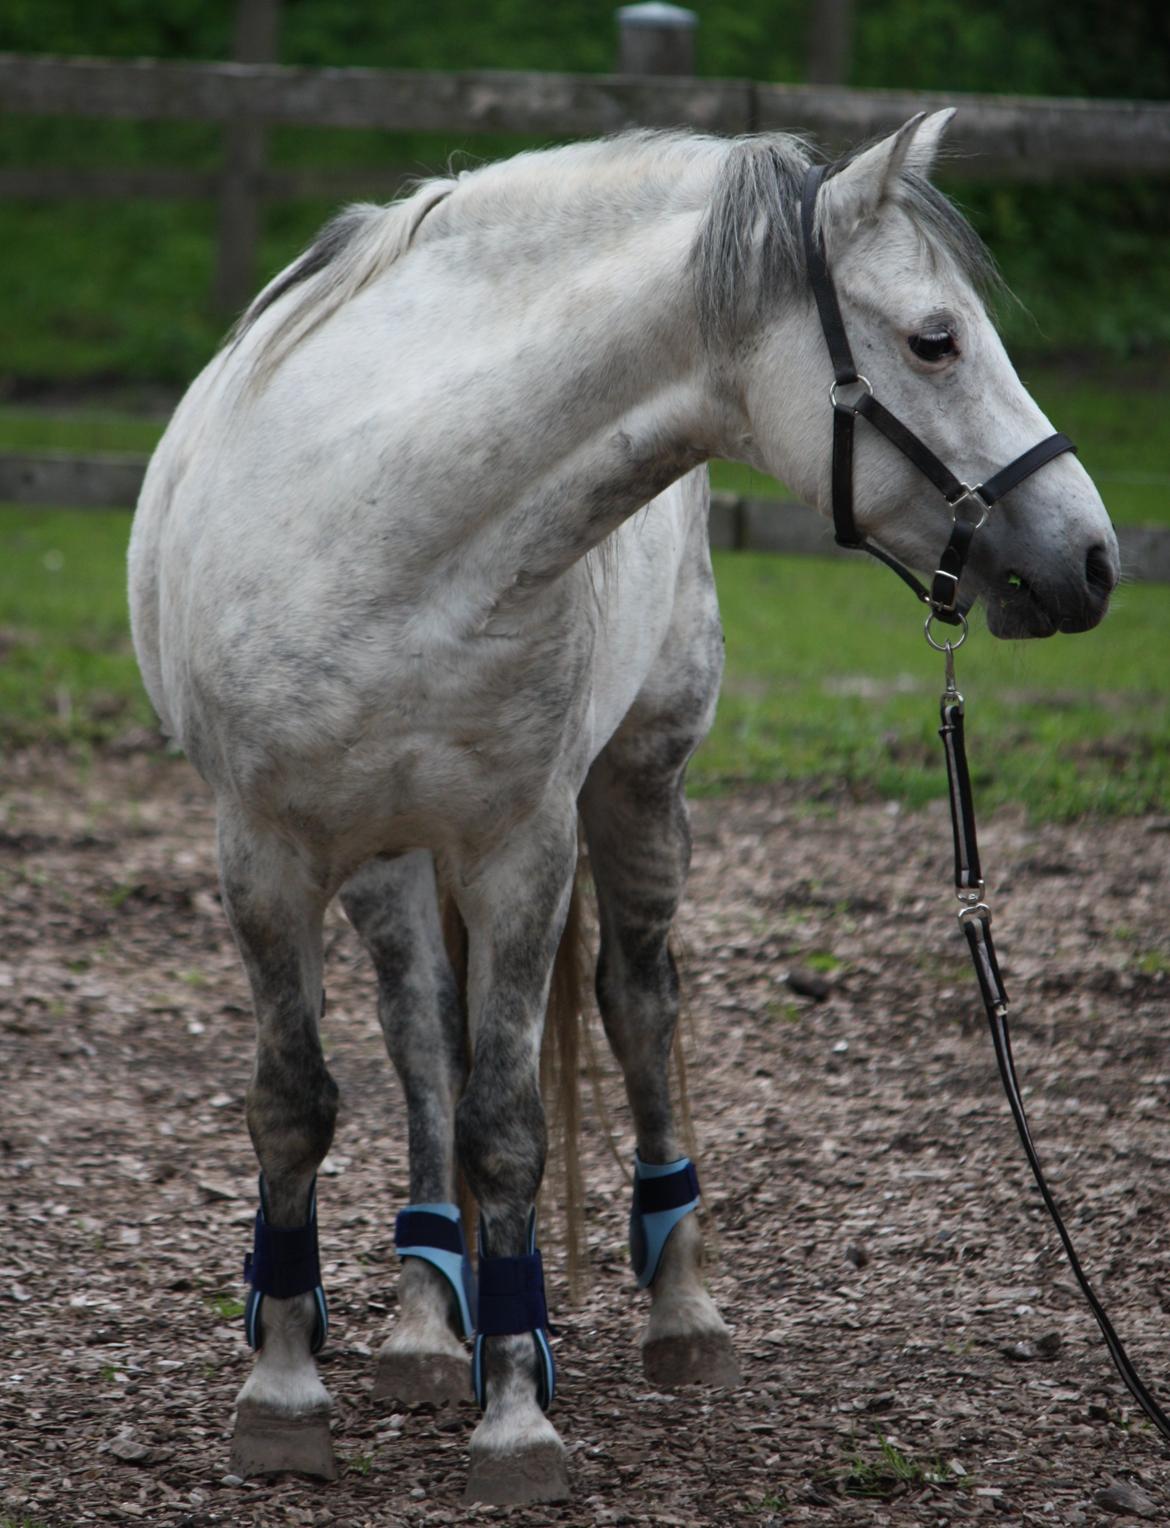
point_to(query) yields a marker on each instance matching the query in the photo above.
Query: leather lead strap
(976, 923)
(844, 525)
(968, 873)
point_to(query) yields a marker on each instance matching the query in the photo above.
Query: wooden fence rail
(113, 481)
(1020, 136)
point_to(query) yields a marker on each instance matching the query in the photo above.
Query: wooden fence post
(830, 41)
(655, 38)
(257, 25)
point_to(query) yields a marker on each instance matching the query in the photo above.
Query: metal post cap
(656, 13)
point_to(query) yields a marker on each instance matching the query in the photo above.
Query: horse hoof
(266, 1443)
(704, 1359)
(422, 1379)
(534, 1472)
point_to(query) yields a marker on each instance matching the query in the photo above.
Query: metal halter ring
(859, 381)
(950, 646)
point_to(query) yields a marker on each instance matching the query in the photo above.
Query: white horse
(420, 573)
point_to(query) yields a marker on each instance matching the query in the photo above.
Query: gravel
(913, 1346)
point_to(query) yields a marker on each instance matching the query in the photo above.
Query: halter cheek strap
(969, 504)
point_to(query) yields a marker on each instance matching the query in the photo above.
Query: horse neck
(600, 393)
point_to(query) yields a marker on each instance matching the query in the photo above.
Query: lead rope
(975, 920)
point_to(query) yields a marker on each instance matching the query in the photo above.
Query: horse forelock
(749, 254)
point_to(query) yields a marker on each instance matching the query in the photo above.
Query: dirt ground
(906, 1323)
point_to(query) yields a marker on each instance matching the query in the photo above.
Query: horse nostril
(1099, 574)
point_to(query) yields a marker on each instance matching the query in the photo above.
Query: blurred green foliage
(124, 289)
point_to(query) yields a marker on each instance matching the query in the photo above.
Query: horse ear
(857, 191)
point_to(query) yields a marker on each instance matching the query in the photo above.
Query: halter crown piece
(969, 504)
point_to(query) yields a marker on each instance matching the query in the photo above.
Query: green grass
(829, 682)
(67, 670)
(227, 1307)
(78, 430)
(891, 1473)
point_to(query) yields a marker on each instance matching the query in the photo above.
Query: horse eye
(933, 347)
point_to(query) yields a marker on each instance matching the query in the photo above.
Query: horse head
(908, 273)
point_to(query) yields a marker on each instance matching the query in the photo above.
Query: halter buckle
(974, 495)
(859, 381)
(943, 607)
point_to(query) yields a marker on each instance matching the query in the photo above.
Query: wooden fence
(740, 524)
(1024, 137)
(1014, 137)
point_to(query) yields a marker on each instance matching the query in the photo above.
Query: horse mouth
(1015, 610)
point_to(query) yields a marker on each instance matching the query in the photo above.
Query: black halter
(970, 505)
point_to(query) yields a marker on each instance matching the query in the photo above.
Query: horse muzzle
(1022, 606)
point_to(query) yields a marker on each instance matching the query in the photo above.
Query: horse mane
(353, 247)
(747, 256)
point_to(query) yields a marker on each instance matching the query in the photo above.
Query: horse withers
(419, 579)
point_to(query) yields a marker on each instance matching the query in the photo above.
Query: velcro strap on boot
(664, 1194)
(284, 1262)
(511, 1302)
(434, 1234)
(511, 1295)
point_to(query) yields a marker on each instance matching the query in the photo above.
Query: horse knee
(291, 1110)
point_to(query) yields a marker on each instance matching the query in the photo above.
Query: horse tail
(352, 249)
(559, 1070)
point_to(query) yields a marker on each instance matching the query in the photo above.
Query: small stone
(215, 1191)
(417, 1493)
(1047, 1346)
(1021, 1353)
(1125, 1500)
(132, 1450)
(856, 1254)
(232, 1480)
(808, 984)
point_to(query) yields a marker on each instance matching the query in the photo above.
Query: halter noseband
(970, 505)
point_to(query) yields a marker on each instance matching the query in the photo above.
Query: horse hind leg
(635, 820)
(393, 906)
(276, 911)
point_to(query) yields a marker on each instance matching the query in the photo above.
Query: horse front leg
(276, 911)
(514, 904)
(639, 850)
(394, 908)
